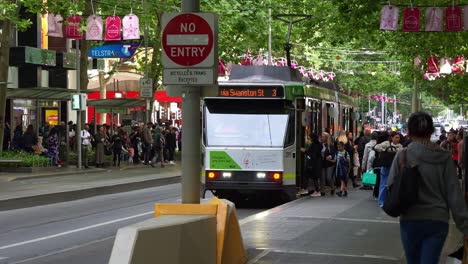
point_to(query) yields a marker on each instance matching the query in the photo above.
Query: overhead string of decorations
(456, 18)
(248, 59)
(115, 28)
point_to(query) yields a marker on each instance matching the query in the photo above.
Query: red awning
(162, 97)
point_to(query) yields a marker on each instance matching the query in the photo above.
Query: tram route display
(252, 91)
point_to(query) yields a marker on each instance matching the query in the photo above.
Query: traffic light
(78, 102)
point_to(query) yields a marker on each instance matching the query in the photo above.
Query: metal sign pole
(191, 128)
(78, 112)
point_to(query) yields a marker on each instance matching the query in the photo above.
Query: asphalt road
(81, 231)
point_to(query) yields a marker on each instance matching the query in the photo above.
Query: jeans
(384, 171)
(423, 240)
(148, 150)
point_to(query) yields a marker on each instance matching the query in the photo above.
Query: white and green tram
(254, 129)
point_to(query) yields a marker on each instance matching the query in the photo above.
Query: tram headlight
(261, 175)
(276, 176)
(227, 175)
(212, 175)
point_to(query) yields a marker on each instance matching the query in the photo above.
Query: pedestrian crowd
(436, 169)
(149, 144)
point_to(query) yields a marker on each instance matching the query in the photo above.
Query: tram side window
(290, 132)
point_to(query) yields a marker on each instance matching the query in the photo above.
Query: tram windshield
(245, 126)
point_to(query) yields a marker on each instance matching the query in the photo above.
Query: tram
(254, 129)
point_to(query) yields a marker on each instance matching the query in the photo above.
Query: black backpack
(386, 157)
(403, 193)
(377, 161)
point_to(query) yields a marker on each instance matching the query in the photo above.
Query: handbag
(369, 177)
(403, 193)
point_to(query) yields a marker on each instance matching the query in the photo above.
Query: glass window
(253, 130)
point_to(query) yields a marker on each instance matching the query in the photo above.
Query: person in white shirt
(86, 139)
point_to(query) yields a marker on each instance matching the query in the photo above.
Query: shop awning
(162, 97)
(40, 93)
(116, 102)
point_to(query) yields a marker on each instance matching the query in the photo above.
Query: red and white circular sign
(187, 40)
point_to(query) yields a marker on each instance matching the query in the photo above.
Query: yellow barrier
(230, 247)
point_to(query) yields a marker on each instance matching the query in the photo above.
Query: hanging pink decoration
(431, 76)
(411, 17)
(281, 62)
(432, 65)
(453, 19)
(389, 18)
(94, 29)
(221, 68)
(258, 60)
(247, 59)
(458, 65)
(302, 70)
(73, 26)
(131, 27)
(465, 17)
(294, 64)
(113, 28)
(434, 19)
(54, 25)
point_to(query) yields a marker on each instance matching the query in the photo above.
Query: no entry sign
(188, 40)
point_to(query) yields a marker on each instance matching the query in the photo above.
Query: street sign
(146, 87)
(188, 40)
(188, 76)
(114, 50)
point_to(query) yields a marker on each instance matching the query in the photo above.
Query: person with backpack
(328, 152)
(387, 151)
(342, 160)
(312, 165)
(424, 224)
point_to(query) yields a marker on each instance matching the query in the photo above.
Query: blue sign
(114, 50)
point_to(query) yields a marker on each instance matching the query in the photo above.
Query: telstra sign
(114, 50)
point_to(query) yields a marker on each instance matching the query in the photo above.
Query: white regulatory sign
(146, 87)
(188, 76)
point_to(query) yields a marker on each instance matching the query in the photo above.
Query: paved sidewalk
(20, 190)
(329, 229)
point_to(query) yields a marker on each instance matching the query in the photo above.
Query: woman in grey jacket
(424, 227)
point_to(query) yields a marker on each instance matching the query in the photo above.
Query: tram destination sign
(251, 91)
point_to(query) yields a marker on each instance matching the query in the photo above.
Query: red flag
(73, 24)
(453, 19)
(411, 17)
(432, 63)
(113, 28)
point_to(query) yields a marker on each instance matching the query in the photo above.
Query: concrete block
(167, 239)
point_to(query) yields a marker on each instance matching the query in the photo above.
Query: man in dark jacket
(171, 144)
(362, 143)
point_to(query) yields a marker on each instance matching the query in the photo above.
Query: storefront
(37, 106)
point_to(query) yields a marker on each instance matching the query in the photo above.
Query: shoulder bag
(403, 193)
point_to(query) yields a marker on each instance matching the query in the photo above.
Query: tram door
(314, 117)
(329, 114)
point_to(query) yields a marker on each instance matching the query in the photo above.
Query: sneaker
(171, 162)
(345, 194)
(316, 194)
(340, 194)
(303, 192)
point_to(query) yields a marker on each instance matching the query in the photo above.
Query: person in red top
(451, 144)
